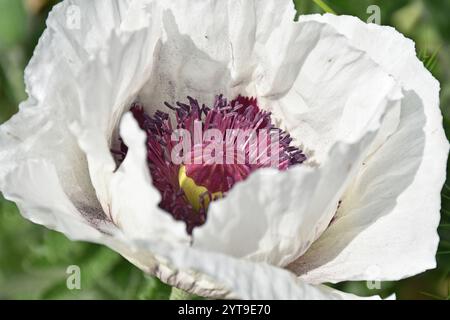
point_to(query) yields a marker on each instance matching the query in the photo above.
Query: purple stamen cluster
(241, 113)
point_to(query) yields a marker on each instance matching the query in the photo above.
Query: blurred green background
(33, 260)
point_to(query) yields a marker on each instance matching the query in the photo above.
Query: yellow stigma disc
(194, 192)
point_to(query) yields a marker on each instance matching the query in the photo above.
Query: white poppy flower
(361, 203)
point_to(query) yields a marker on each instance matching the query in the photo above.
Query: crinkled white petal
(386, 228)
(87, 91)
(276, 216)
(248, 280)
(42, 200)
(134, 203)
(121, 73)
(40, 129)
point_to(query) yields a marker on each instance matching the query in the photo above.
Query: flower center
(198, 196)
(200, 155)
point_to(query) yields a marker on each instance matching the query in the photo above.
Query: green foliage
(34, 260)
(324, 6)
(12, 23)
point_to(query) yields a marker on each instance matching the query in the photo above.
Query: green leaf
(407, 18)
(433, 296)
(13, 22)
(178, 294)
(324, 6)
(430, 61)
(153, 288)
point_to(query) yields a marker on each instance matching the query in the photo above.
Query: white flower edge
(393, 233)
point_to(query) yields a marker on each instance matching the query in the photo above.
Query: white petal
(233, 49)
(116, 86)
(134, 206)
(275, 216)
(40, 129)
(249, 280)
(43, 201)
(335, 91)
(39, 132)
(387, 226)
(83, 79)
(192, 55)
